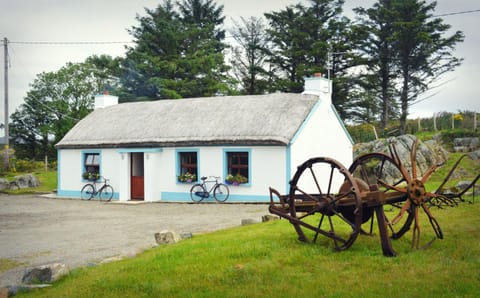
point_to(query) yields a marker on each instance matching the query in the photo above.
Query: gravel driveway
(36, 230)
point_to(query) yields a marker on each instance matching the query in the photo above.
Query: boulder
(37, 276)
(186, 235)
(474, 155)
(269, 217)
(44, 274)
(166, 237)
(248, 221)
(26, 181)
(428, 153)
(4, 184)
(465, 144)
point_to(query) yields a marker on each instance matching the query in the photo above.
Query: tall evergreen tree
(378, 50)
(424, 52)
(407, 51)
(179, 52)
(302, 38)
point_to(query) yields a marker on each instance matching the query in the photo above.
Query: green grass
(467, 170)
(266, 260)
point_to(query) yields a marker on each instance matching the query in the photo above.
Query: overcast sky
(108, 20)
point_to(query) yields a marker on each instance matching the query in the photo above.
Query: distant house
(144, 147)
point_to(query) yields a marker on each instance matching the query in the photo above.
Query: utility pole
(6, 157)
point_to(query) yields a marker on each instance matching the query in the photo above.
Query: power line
(455, 13)
(69, 42)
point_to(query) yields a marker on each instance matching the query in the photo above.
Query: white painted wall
(268, 168)
(70, 169)
(322, 136)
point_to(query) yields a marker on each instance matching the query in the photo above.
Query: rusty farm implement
(328, 200)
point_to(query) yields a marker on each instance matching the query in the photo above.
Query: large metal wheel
(411, 185)
(383, 173)
(324, 198)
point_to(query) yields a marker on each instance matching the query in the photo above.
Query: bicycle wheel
(198, 193)
(106, 193)
(87, 192)
(221, 192)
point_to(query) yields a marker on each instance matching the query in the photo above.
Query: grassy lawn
(266, 260)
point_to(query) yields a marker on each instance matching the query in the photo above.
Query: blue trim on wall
(177, 163)
(288, 168)
(59, 182)
(225, 162)
(139, 150)
(77, 194)
(185, 197)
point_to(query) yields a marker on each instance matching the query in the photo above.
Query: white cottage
(143, 147)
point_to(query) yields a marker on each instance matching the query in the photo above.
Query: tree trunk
(404, 102)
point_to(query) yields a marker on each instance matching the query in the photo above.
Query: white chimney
(320, 86)
(104, 100)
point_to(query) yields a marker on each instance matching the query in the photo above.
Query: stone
(248, 221)
(186, 235)
(465, 144)
(4, 184)
(428, 153)
(26, 181)
(461, 185)
(269, 217)
(37, 276)
(44, 273)
(474, 155)
(166, 237)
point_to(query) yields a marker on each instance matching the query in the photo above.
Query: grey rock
(269, 217)
(248, 221)
(27, 180)
(4, 184)
(428, 153)
(186, 235)
(166, 237)
(44, 274)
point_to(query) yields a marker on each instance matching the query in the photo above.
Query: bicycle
(199, 191)
(105, 192)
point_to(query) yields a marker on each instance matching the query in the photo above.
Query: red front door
(136, 179)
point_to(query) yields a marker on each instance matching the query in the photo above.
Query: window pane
(96, 159)
(188, 163)
(92, 159)
(238, 164)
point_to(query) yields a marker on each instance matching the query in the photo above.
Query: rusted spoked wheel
(382, 171)
(324, 187)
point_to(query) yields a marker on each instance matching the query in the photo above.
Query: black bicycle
(105, 192)
(199, 191)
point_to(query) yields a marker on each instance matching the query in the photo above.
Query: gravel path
(37, 230)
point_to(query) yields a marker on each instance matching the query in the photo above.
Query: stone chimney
(104, 100)
(320, 86)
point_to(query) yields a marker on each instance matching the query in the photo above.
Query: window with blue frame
(238, 167)
(91, 166)
(188, 166)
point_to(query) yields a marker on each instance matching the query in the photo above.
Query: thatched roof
(232, 120)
